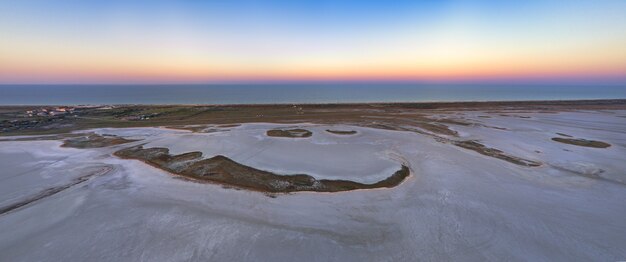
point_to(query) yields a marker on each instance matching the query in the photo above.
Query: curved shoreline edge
(223, 170)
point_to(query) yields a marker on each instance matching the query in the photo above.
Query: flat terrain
(535, 181)
(14, 120)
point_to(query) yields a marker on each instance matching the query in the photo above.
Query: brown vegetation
(582, 142)
(492, 152)
(223, 170)
(437, 129)
(94, 141)
(341, 132)
(293, 133)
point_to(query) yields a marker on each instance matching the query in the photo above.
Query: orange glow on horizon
(196, 73)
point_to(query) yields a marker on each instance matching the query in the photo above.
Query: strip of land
(94, 141)
(223, 170)
(341, 132)
(28, 120)
(52, 191)
(582, 142)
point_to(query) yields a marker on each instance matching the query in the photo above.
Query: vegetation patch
(437, 129)
(492, 152)
(454, 122)
(223, 170)
(294, 133)
(43, 137)
(228, 125)
(582, 142)
(341, 132)
(94, 141)
(192, 128)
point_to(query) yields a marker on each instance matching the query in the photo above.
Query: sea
(297, 93)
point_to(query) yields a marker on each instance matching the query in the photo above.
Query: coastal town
(54, 117)
(40, 116)
(50, 111)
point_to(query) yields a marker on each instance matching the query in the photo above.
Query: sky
(125, 41)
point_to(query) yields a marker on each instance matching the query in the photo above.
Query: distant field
(15, 121)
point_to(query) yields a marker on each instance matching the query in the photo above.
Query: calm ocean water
(292, 93)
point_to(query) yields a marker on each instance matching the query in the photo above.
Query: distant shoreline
(433, 104)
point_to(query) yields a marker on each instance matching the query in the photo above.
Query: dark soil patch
(437, 128)
(94, 141)
(582, 142)
(228, 125)
(293, 133)
(492, 152)
(341, 132)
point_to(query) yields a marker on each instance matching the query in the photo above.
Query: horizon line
(337, 82)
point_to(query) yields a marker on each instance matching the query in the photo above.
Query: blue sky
(205, 41)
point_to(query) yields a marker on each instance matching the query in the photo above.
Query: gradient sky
(59, 41)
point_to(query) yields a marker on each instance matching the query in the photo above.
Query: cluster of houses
(51, 111)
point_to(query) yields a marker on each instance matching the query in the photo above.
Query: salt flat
(456, 205)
